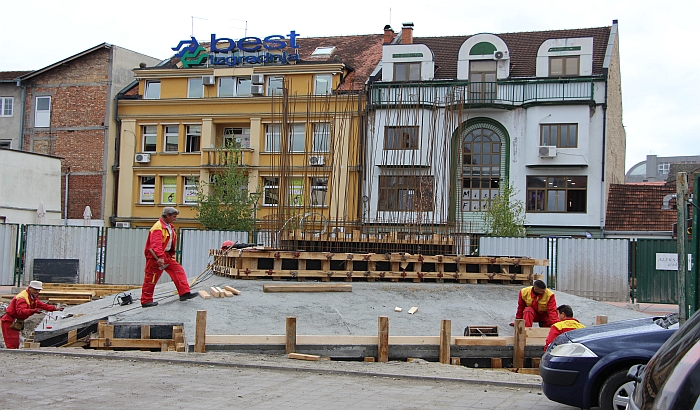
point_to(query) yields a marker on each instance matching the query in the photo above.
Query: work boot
(188, 296)
(149, 304)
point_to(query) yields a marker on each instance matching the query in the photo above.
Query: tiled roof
(638, 208)
(11, 75)
(522, 47)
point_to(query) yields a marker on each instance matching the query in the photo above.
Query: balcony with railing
(222, 157)
(508, 93)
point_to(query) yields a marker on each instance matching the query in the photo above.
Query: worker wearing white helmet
(25, 304)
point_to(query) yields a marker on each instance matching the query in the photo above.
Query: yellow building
(293, 105)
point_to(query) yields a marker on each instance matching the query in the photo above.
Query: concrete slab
(254, 312)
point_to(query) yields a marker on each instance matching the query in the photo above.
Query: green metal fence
(654, 286)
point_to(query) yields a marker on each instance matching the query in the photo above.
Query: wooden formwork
(106, 339)
(326, 266)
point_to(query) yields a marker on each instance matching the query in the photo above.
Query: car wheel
(616, 391)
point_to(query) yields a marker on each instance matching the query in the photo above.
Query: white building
(452, 119)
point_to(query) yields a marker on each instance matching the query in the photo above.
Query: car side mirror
(635, 372)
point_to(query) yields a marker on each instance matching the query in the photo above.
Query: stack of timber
(326, 266)
(75, 294)
(133, 336)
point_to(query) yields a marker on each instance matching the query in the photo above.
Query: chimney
(388, 34)
(407, 33)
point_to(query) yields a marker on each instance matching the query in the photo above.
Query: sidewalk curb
(273, 367)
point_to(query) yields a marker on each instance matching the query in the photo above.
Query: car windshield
(667, 321)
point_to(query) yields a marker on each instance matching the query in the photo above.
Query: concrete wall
(26, 180)
(9, 126)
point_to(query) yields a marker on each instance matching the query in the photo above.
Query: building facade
(291, 107)
(68, 112)
(657, 169)
(453, 119)
(10, 109)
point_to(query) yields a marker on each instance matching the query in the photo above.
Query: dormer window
(564, 66)
(406, 71)
(323, 51)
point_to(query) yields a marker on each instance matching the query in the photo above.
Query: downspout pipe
(65, 200)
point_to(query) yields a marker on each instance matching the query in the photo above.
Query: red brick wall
(79, 91)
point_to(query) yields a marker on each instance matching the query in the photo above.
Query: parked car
(588, 367)
(671, 380)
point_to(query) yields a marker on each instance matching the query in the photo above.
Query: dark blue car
(588, 367)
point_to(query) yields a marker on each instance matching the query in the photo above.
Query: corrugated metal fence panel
(593, 268)
(655, 286)
(524, 247)
(62, 242)
(125, 261)
(462, 244)
(8, 253)
(195, 245)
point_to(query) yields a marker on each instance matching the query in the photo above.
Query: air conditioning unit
(500, 55)
(142, 158)
(208, 80)
(257, 89)
(547, 151)
(317, 160)
(257, 79)
(122, 224)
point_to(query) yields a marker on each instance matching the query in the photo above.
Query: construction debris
(412, 310)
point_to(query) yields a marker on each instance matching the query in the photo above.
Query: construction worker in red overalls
(536, 303)
(160, 256)
(25, 304)
(566, 323)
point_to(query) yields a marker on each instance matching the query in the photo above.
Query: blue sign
(191, 53)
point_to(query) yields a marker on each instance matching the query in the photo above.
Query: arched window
(481, 168)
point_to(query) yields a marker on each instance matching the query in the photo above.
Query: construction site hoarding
(125, 261)
(535, 248)
(195, 245)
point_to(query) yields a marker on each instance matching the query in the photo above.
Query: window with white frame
(147, 189)
(169, 190)
(149, 138)
(297, 138)
(171, 136)
(322, 134)
(271, 189)
(664, 167)
(191, 191)
(6, 106)
(243, 86)
(323, 84)
(275, 84)
(193, 135)
(407, 71)
(296, 192)
(318, 194)
(236, 137)
(227, 87)
(42, 112)
(195, 88)
(273, 135)
(152, 90)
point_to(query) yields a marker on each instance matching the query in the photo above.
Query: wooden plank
(232, 290)
(536, 362)
(455, 361)
(519, 345)
(214, 292)
(200, 332)
(145, 332)
(72, 336)
(536, 332)
(496, 363)
(445, 338)
(129, 343)
(369, 359)
(300, 356)
(203, 293)
(309, 287)
(290, 345)
(398, 309)
(383, 336)
(480, 341)
(228, 294)
(601, 320)
(412, 310)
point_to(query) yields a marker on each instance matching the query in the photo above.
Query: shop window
(556, 194)
(147, 190)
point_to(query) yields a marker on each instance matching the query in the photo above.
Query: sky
(658, 40)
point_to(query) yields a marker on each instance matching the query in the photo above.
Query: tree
(506, 215)
(225, 203)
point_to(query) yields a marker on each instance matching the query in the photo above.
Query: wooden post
(145, 332)
(445, 339)
(519, 344)
(291, 340)
(383, 347)
(601, 320)
(200, 332)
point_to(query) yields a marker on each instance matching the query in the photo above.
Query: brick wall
(79, 91)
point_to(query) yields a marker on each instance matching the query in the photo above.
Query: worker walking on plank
(536, 303)
(25, 304)
(160, 256)
(566, 322)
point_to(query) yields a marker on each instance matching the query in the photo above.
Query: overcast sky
(658, 40)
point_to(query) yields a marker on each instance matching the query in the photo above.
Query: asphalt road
(68, 382)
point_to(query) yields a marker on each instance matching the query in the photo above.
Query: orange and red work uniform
(162, 241)
(21, 307)
(537, 308)
(561, 327)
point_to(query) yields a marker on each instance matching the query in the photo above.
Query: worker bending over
(566, 322)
